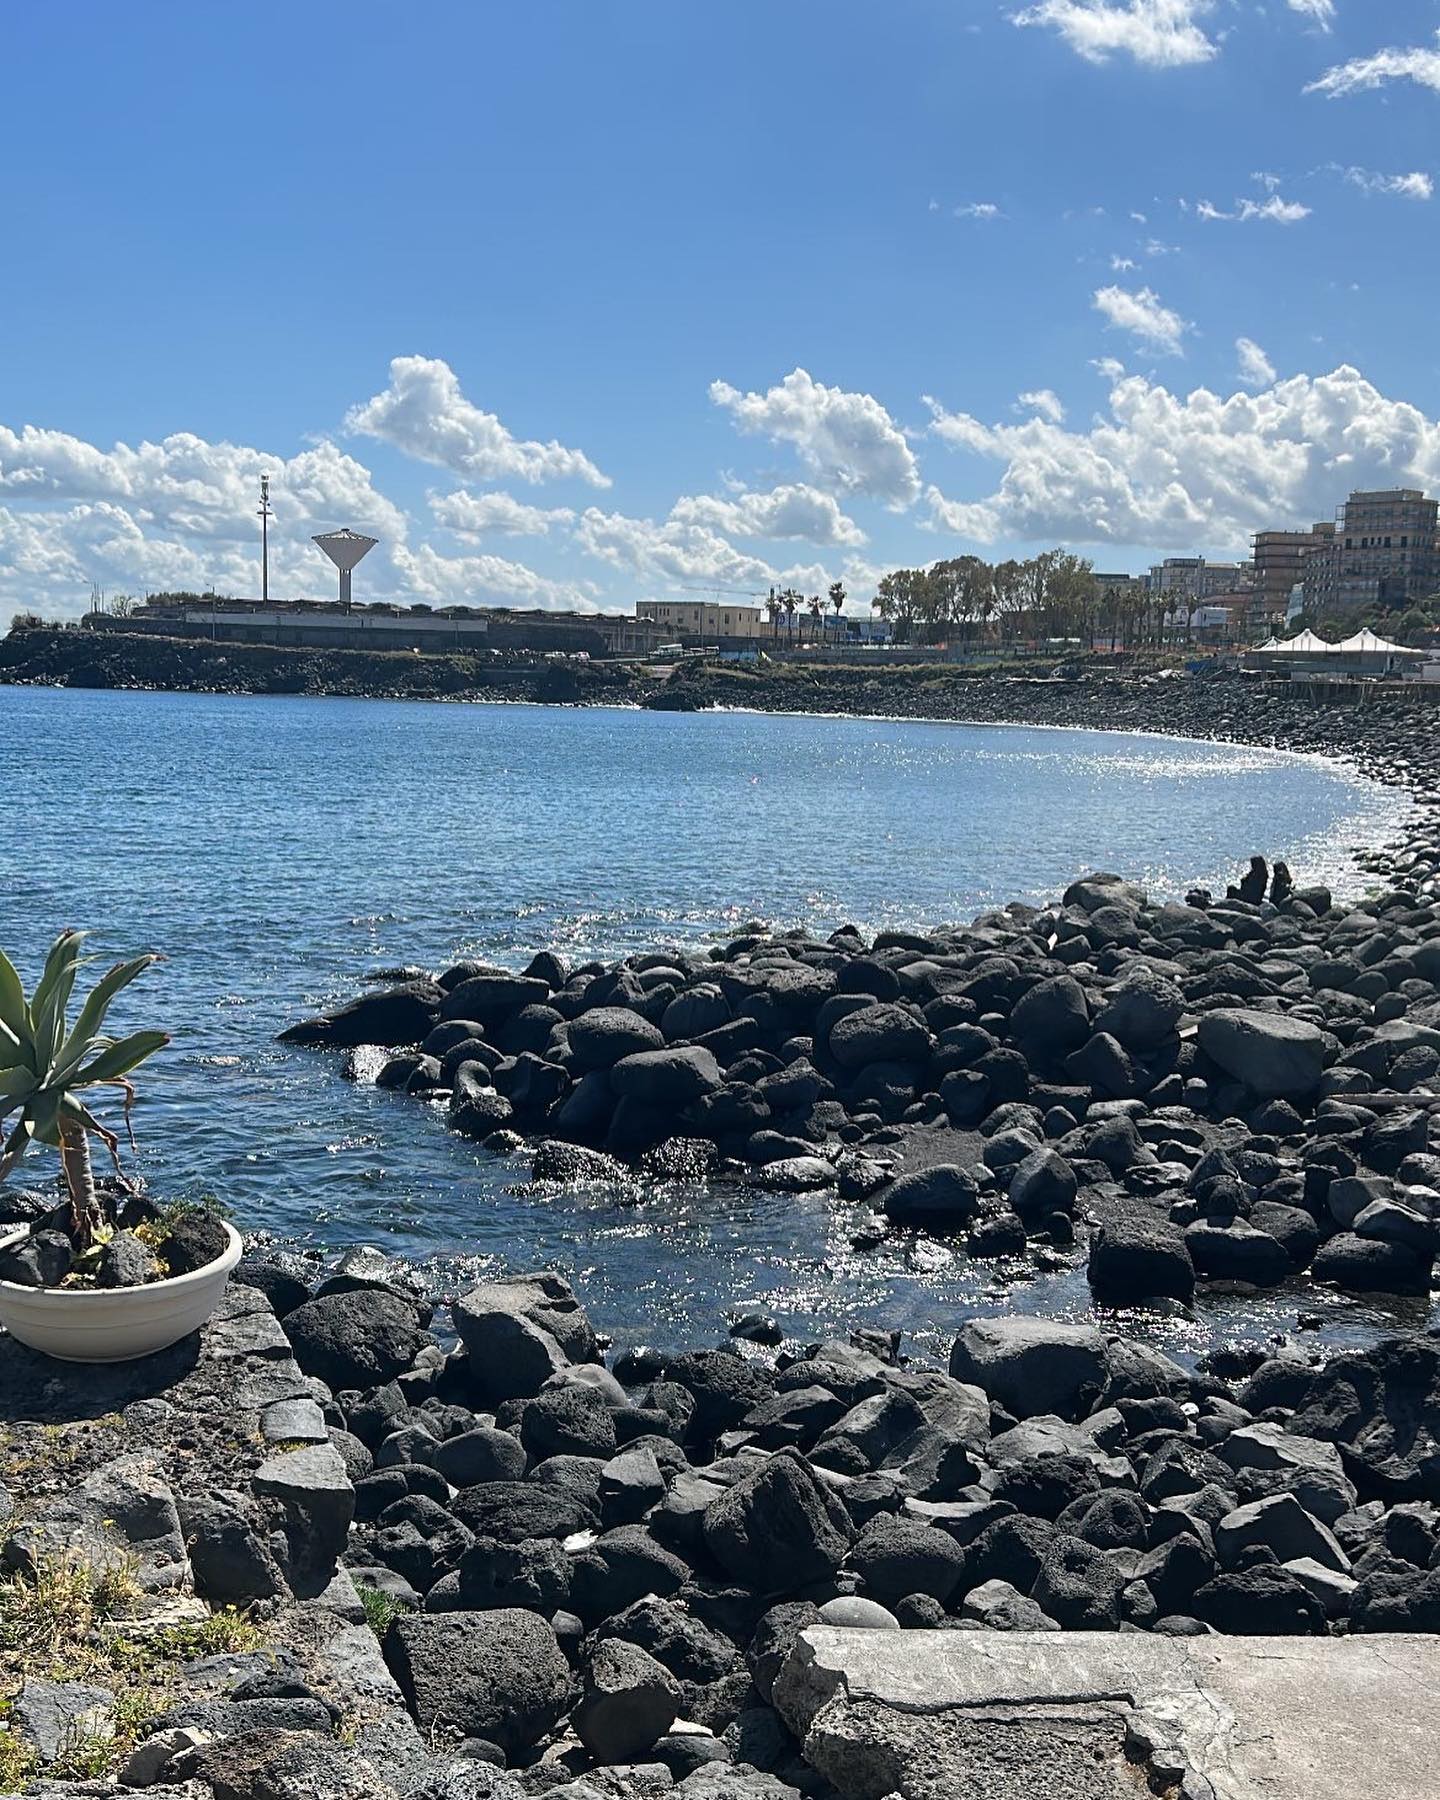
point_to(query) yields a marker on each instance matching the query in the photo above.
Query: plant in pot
(107, 1275)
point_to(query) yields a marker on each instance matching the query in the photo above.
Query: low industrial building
(321, 625)
(702, 621)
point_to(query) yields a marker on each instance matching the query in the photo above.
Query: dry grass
(68, 1622)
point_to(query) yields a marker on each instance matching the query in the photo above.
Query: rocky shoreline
(361, 1564)
(471, 1557)
(1217, 1091)
(140, 662)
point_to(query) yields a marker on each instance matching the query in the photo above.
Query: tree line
(1053, 594)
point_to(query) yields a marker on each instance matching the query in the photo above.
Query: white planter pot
(114, 1324)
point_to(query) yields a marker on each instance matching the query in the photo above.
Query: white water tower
(344, 548)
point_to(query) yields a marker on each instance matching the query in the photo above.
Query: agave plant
(44, 1070)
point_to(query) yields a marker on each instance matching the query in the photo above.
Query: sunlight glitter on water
(277, 850)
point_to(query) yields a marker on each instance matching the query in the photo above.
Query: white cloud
(423, 413)
(476, 515)
(1143, 316)
(978, 209)
(794, 511)
(484, 580)
(1178, 471)
(1256, 368)
(1159, 33)
(1274, 210)
(1121, 265)
(180, 514)
(1362, 72)
(1415, 186)
(1281, 212)
(1322, 12)
(1046, 401)
(848, 441)
(671, 551)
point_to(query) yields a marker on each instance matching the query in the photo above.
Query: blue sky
(580, 301)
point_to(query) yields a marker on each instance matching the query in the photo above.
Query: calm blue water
(276, 849)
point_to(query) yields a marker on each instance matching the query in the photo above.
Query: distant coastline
(1379, 739)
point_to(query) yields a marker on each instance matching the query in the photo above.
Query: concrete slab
(947, 1715)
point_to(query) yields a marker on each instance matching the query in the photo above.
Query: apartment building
(1385, 550)
(1280, 559)
(1191, 580)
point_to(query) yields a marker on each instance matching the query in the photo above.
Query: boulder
(668, 1079)
(555, 1160)
(491, 998)
(1368, 1265)
(520, 1332)
(1136, 1255)
(1236, 1252)
(403, 1014)
(1051, 1018)
(692, 1013)
(1000, 1607)
(1281, 1524)
(606, 1034)
(357, 1339)
(1032, 1366)
(896, 1556)
(627, 1701)
(1142, 1009)
(477, 1108)
(1078, 1586)
(1043, 1182)
(779, 1528)
(495, 1675)
(1266, 1601)
(942, 1197)
(1381, 1408)
(472, 1457)
(1275, 1056)
(50, 1716)
(884, 1032)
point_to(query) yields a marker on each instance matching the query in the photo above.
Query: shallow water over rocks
(278, 849)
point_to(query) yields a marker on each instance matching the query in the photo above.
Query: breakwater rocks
(96, 659)
(1216, 1091)
(593, 1568)
(507, 1569)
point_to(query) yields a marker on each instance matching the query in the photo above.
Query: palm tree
(792, 605)
(816, 613)
(837, 600)
(774, 605)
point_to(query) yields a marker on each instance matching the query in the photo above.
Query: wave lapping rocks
(1235, 1090)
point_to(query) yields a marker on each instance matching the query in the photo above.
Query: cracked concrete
(945, 1715)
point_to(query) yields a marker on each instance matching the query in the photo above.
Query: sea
(275, 850)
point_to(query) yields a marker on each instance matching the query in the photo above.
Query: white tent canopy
(1367, 643)
(1363, 643)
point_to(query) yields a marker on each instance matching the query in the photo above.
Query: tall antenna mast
(265, 515)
